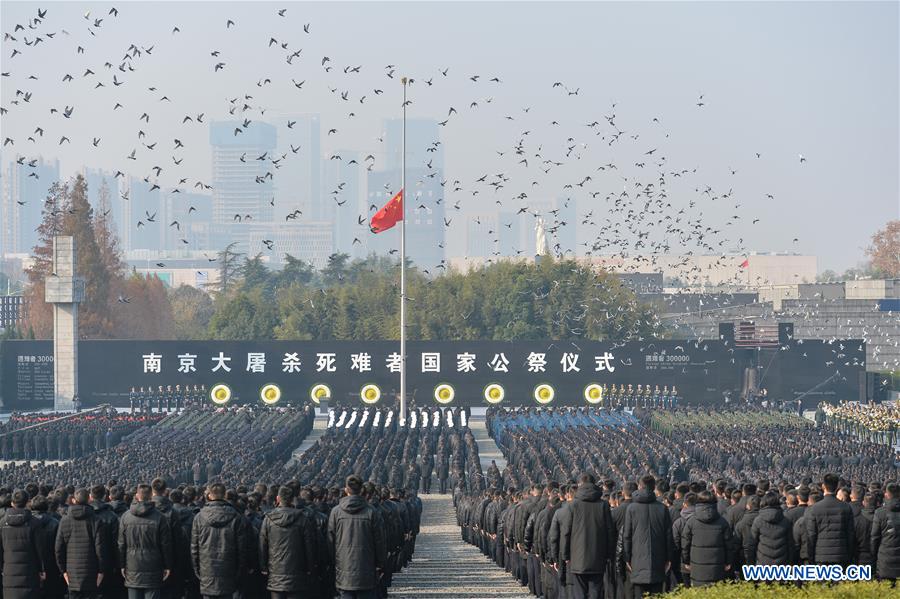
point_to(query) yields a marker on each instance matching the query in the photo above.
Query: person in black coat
(23, 568)
(707, 546)
(287, 548)
(588, 539)
(862, 523)
(145, 549)
(80, 552)
(356, 543)
(771, 535)
(647, 542)
(742, 535)
(54, 586)
(829, 528)
(219, 545)
(886, 535)
(113, 585)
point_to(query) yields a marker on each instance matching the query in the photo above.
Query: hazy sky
(779, 79)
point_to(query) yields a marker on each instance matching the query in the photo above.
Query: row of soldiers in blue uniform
(146, 401)
(642, 397)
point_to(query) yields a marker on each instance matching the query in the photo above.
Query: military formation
(593, 504)
(166, 399)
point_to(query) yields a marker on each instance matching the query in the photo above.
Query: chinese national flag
(745, 263)
(389, 215)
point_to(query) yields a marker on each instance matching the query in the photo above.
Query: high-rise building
(510, 227)
(342, 204)
(482, 238)
(145, 224)
(193, 213)
(311, 242)
(243, 178)
(297, 185)
(96, 179)
(423, 145)
(26, 190)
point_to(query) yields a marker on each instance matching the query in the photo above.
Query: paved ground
(445, 567)
(487, 449)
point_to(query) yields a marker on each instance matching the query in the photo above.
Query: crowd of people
(595, 503)
(231, 445)
(878, 423)
(57, 436)
(642, 397)
(221, 515)
(436, 446)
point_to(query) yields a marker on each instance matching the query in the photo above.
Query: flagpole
(403, 266)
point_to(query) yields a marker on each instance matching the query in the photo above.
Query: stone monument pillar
(64, 290)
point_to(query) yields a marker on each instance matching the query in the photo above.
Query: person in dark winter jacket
(356, 543)
(647, 540)
(80, 552)
(113, 585)
(23, 569)
(287, 548)
(829, 528)
(862, 523)
(145, 549)
(886, 535)
(54, 586)
(742, 536)
(707, 546)
(219, 550)
(687, 512)
(588, 539)
(771, 535)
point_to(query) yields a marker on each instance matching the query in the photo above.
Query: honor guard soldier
(169, 397)
(203, 395)
(158, 397)
(132, 397)
(674, 396)
(179, 398)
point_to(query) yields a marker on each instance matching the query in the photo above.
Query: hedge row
(748, 590)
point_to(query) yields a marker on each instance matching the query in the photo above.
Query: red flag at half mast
(389, 215)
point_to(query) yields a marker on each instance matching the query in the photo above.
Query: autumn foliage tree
(885, 250)
(101, 315)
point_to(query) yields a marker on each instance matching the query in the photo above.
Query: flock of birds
(639, 202)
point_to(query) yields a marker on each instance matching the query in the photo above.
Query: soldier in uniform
(131, 399)
(169, 397)
(160, 393)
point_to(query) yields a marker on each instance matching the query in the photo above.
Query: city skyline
(739, 130)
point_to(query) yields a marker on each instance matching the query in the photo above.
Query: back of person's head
(870, 500)
(753, 503)
(748, 489)
(790, 498)
(705, 497)
(648, 483)
(763, 485)
(81, 496)
(893, 490)
(285, 496)
(830, 482)
(803, 492)
(690, 498)
(176, 495)
(19, 498)
(32, 489)
(353, 485)
(682, 489)
(628, 489)
(586, 479)
(216, 492)
(814, 497)
(39, 504)
(116, 493)
(721, 484)
(770, 499)
(159, 486)
(144, 492)
(98, 493)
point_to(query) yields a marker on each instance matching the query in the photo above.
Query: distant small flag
(745, 263)
(389, 215)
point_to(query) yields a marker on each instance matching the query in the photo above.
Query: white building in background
(311, 242)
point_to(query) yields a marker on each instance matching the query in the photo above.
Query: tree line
(347, 299)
